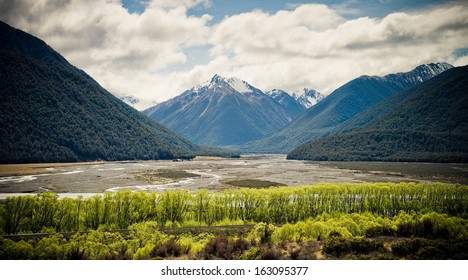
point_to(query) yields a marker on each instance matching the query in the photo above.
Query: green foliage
(10, 250)
(99, 245)
(251, 254)
(262, 233)
(342, 236)
(283, 205)
(52, 248)
(340, 246)
(434, 225)
(427, 249)
(309, 214)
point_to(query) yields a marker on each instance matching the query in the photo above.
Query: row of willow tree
(45, 212)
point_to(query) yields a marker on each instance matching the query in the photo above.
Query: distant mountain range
(307, 97)
(428, 122)
(137, 103)
(289, 103)
(341, 105)
(226, 111)
(297, 102)
(53, 112)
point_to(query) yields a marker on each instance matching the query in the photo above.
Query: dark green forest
(428, 122)
(51, 111)
(50, 114)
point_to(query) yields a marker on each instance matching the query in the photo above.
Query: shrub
(430, 253)
(170, 248)
(410, 246)
(271, 252)
(262, 233)
(309, 250)
(339, 246)
(380, 231)
(420, 248)
(253, 253)
(222, 247)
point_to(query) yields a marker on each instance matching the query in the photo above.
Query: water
(89, 179)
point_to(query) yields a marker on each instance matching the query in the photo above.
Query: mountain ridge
(287, 101)
(53, 112)
(221, 112)
(341, 105)
(428, 122)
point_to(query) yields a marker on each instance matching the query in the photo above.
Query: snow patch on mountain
(235, 84)
(307, 97)
(138, 103)
(238, 85)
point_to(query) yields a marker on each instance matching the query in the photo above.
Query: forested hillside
(341, 105)
(53, 112)
(428, 122)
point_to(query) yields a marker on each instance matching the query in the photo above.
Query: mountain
(222, 112)
(287, 102)
(307, 97)
(428, 122)
(137, 103)
(341, 105)
(53, 112)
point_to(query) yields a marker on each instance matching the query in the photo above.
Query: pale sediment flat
(72, 180)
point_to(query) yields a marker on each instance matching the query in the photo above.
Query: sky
(156, 49)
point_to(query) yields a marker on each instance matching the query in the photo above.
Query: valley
(71, 180)
(377, 168)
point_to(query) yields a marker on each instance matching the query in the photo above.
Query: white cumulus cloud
(310, 45)
(313, 46)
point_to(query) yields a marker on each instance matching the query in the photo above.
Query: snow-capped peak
(434, 69)
(239, 85)
(235, 83)
(307, 97)
(420, 74)
(276, 92)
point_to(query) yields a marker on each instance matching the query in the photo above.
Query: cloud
(120, 50)
(312, 45)
(309, 45)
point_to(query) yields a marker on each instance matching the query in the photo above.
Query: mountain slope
(340, 106)
(287, 102)
(428, 122)
(222, 112)
(51, 111)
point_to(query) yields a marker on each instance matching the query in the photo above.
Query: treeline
(46, 213)
(386, 145)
